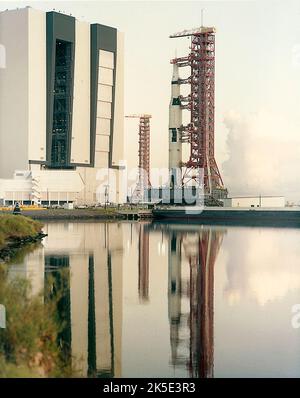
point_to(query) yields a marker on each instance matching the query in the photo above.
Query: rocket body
(175, 122)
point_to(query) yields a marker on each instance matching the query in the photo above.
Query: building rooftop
(255, 196)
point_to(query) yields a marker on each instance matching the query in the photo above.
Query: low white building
(51, 187)
(48, 187)
(254, 201)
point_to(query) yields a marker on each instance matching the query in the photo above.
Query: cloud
(261, 157)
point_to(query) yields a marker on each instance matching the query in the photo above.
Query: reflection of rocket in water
(174, 294)
(175, 122)
(200, 247)
(202, 263)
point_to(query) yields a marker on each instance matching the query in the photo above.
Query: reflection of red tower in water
(200, 247)
(202, 254)
(143, 283)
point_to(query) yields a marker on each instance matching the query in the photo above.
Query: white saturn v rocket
(175, 122)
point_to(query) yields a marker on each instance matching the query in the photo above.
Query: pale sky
(257, 81)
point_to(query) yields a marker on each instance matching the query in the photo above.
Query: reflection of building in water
(31, 267)
(57, 287)
(143, 262)
(199, 247)
(85, 258)
(2, 316)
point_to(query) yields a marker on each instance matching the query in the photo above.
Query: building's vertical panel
(37, 86)
(103, 75)
(116, 246)
(94, 88)
(80, 149)
(117, 151)
(35, 270)
(14, 123)
(105, 87)
(102, 313)
(79, 310)
(108, 300)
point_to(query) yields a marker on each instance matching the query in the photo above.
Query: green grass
(12, 227)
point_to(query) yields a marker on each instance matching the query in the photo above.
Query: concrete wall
(118, 138)
(36, 85)
(14, 121)
(22, 90)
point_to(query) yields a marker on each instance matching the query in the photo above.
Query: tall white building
(61, 107)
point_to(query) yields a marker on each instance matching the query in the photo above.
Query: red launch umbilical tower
(200, 132)
(144, 155)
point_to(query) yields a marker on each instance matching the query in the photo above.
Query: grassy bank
(76, 214)
(17, 227)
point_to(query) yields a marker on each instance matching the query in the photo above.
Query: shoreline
(12, 247)
(17, 232)
(70, 215)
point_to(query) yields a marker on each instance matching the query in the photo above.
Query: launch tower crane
(199, 133)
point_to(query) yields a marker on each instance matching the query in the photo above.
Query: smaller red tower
(144, 155)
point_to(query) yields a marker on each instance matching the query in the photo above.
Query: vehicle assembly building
(61, 106)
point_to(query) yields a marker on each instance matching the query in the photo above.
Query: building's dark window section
(61, 105)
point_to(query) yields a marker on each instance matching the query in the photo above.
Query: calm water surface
(163, 300)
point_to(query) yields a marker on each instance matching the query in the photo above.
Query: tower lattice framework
(144, 157)
(144, 151)
(200, 131)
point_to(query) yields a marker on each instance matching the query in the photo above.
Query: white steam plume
(262, 159)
